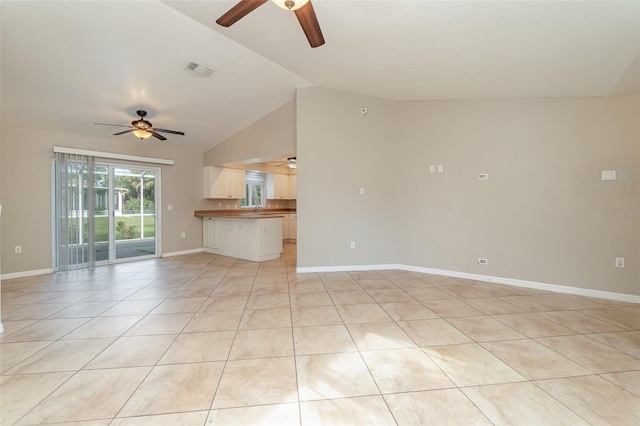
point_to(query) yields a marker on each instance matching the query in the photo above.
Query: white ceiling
(68, 64)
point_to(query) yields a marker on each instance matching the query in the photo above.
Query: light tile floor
(205, 339)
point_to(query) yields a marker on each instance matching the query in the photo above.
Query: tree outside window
(253, 195)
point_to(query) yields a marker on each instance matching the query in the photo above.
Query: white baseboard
(25, 274)
(487, 278)
(183, 252)
(346, 268)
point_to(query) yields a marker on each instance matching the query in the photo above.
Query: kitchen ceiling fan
(291, 163)
(142, 128)
(302, 8)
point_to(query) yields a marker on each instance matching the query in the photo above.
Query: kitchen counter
(244, 214)
(244, 235)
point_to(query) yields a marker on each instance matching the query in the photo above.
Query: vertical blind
(74, 211)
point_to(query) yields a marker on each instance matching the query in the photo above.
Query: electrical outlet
(440, 168)
(482, 261)
(483, 176)
(361, 191)
(183, 235)
(353, 244)
(432, 168)
(18, 249)
(619, 262)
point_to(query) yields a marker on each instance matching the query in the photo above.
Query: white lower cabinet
(289, 227)
(285, 227)
(252, 239)
(293, 227)
(210, 237)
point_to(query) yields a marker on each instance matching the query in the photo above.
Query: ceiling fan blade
(239, 11)
(157, 135)
(106, 124)
(126, 131)
(175, 132)
(309, 23)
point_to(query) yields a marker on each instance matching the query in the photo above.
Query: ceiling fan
(302, 8)
(142, 128)
(291, 163)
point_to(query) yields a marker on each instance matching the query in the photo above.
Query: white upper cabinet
(277, 186)
(292, 186)
(237, 183)
(223, 183)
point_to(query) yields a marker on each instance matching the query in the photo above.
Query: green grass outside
(102, 225)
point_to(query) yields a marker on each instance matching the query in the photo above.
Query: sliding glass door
(101, 212)
(134, 223)
(104, 212)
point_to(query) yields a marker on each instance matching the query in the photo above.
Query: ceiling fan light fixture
(142, 134)
(290, 4)
(292, 165)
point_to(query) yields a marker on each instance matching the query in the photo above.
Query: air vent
(198, 69)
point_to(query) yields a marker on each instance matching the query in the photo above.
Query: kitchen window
(255, 193)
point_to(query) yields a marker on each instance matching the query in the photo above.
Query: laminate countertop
(244, 214)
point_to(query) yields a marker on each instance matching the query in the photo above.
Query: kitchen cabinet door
(293, 226)
(223, 183)
(277, 186)
(215, 182)
(285, 227)
(210, 229)
(292, 186)
(237, 183)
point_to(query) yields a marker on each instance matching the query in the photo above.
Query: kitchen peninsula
(242, 234)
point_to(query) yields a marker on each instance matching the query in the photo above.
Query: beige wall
(26, 191)
(271, 137)
(1, 326)
(543, 215)
(340, 151)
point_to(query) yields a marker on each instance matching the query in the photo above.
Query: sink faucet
(256, 208)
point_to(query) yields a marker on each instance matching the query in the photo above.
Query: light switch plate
(608, 175)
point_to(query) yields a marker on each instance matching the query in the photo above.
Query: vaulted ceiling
(68, 64)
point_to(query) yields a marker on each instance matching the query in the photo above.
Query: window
(255, 190)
